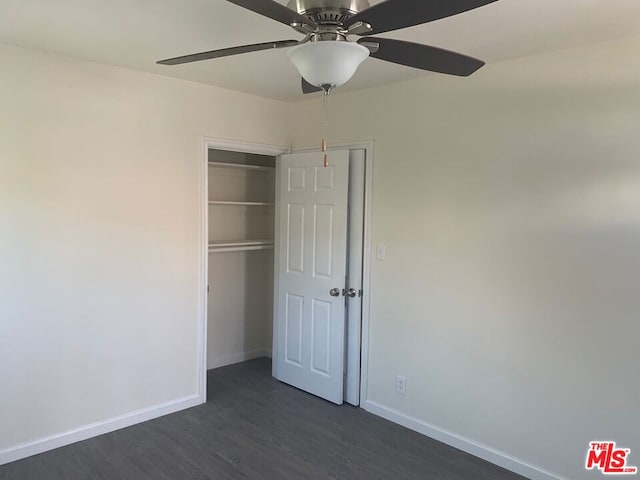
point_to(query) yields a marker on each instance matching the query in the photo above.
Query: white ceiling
(136, 33)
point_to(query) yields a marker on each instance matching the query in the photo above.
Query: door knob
(350, 293)
(334, 292)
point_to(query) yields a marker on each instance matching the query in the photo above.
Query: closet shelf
(250, 204)
(239, 165)
(240, 245)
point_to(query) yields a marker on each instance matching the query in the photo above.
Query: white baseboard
(97, 428)
(472, 447)
(224, 360)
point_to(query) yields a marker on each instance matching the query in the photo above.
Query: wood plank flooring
(254, 427)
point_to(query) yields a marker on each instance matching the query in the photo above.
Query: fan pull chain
(325, 128)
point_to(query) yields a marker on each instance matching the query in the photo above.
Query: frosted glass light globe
(327, 62)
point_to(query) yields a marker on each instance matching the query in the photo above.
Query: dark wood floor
(254, 427)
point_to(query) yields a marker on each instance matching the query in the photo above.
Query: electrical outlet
(381, 251)
(401, 385)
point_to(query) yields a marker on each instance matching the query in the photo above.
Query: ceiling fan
(327, 57)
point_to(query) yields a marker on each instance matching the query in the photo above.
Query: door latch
(350, 293)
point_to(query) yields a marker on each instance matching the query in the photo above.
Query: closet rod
(240, 249)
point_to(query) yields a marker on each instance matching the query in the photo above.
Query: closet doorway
(247, 309)
(241, 205)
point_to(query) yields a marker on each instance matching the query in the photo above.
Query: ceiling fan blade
(424, 57)
(226, 52)
(395, 14)
(308, 88)
(274, 11)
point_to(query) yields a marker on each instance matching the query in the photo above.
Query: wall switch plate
(381, 251)
(401, 385)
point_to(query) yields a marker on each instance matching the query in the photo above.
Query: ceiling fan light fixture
(327, 62)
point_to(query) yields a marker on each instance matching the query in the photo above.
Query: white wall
(100, 237)
(510, 206)
(240, 307)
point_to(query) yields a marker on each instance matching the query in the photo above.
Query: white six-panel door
(312, 255)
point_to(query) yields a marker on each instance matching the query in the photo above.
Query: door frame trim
(207, 143)
(368, 147)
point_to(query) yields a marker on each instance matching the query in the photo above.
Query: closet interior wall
(241, 208)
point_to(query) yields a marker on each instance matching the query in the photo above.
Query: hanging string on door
(325, 127)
